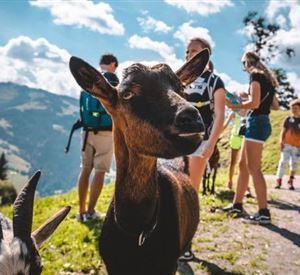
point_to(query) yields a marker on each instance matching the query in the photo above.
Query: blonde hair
(254, 65)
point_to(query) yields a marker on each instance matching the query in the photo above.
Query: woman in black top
(261, 99)
(207, 94)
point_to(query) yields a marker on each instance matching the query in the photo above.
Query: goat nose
(189, 119)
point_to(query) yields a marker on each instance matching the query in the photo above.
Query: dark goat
(154, 213)
(18, 246)
(211, 171)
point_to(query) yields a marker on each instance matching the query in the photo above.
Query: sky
(38, 37)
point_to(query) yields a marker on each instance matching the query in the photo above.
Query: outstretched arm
(253, 101)
(275, 103)
(227, 121)
(219, 107)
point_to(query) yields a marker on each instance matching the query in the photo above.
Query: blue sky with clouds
(38, 37)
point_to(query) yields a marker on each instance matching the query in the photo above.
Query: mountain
(34, 128)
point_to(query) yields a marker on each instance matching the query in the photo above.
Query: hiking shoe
(232, 209)
(263, 217)
(81, 217)
(278, 183)
(291, 183)
(248, 195)
(187, 256)
(95, 215)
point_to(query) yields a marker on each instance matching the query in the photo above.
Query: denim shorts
(258, 128)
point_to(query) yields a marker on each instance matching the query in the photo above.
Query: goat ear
(23, 209)
(91, 80)
(1, 232)
(46, 230)
(193, 68)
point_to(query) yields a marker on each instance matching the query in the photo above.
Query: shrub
(8, 193)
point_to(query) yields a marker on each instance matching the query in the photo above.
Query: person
(97, 154)
(236, 139)
(262, 98)
(235, 143)
(290, 144)
(207, 94)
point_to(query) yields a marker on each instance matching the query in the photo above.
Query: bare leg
(292, 173)
(95, 190)
(83, 185)
(254, 155)
(243, 177)
(233, 161)
(197, 167)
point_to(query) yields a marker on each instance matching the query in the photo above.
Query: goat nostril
(187, 116)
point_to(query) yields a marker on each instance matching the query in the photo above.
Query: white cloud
(275, 6)
(185, 32)
(204, 8)
(231, 84)
(166, 52)
(83, 13)
(289, 34)
(281, 20)
(287, 15)
(150, 24)
(294, 79)
(37, 64)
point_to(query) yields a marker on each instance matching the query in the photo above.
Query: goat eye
(127, 95)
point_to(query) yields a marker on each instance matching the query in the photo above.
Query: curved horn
(23, 209)
(45, 230)
(1, 232)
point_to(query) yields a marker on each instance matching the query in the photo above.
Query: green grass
(271, 151)
(73, 247)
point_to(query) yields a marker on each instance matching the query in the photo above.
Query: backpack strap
(84, 141)
(76, 125)
(211, 88)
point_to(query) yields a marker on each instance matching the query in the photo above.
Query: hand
(231, 105)
(207, 151)
(281, 146)
(228, 103)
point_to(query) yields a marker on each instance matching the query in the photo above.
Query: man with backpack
(97, 144)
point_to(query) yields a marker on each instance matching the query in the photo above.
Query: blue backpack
(93, 116)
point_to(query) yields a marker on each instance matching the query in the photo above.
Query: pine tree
(262, 34)
(3, 167)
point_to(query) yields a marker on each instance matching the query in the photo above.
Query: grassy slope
(271, 151)
(73, 247)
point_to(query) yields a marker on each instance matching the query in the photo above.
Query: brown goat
(154, 213)
(211, 170)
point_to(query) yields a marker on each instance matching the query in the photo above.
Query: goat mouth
(193, 134)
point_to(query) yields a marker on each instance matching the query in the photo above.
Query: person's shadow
(284, 205)
(184, 268)
(291, 236)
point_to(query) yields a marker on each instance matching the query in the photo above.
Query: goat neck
(136, 193)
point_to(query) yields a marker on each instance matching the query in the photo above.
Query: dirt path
(224, 245)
